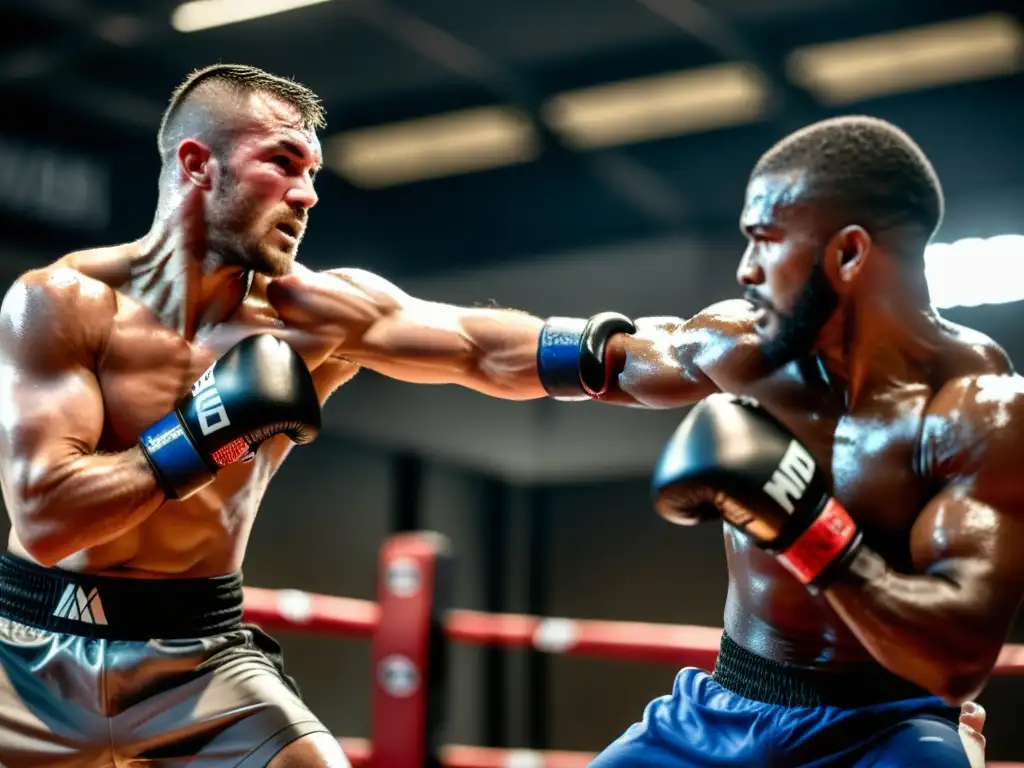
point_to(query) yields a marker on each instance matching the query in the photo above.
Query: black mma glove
(260, 388)
(730, 458)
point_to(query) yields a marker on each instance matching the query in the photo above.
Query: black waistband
(115, 608)
(755, 677)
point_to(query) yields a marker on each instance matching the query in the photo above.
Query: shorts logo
(77, 605)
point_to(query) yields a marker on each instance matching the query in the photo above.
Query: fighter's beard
(798, 329)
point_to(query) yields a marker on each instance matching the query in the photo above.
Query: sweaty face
(259, 203)
(781, 270)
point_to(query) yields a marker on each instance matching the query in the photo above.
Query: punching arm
(374, 323)
(652, 362)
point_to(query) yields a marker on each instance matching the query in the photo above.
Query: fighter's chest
(145, 367)
(872, 458)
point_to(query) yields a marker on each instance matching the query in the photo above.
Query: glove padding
(260, 388)
(729, 458)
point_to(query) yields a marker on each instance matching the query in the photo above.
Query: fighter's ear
(847, 252)
(194, 160)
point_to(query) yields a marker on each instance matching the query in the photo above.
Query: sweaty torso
(143, 368)
(875, 453)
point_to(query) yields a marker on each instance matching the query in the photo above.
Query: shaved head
(867, 170)
(213, 105)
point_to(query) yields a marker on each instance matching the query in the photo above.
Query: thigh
(50, 700)
(232, 707)
(929, 741)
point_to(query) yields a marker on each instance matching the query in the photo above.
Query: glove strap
(829, 539)
(558, 358)
(570, 356)
(179, 467)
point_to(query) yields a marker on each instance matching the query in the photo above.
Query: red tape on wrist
(825, 540)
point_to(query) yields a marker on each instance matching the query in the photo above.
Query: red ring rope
(635, 641)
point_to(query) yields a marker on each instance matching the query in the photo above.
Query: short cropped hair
(865, 166)
(240, 79)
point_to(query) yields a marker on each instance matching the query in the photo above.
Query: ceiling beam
(791, 106)
(50, 68)
(642, 188)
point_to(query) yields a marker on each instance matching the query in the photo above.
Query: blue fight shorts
(755, 712)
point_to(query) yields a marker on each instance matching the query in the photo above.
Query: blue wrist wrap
(558, 358)
(177, 464)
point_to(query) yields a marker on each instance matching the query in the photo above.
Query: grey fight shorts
(82, 686)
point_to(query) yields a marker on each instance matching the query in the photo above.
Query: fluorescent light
(976, 271)
(659, 106)
(441, 145)
(922, 57)
(204, 14)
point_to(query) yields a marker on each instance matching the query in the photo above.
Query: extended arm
(664, 362)
(62, 496)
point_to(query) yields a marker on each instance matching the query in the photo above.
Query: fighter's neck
(879, 344)
(184, 283)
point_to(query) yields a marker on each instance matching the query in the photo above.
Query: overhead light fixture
(205, 14)
(976, 271)
(431, 147)
(912, 59)
(659, 106)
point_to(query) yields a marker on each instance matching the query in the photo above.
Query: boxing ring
(411, 625)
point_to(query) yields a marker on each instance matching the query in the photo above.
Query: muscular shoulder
(721, 339)
(974, 427)
(53, 309)
(733, 317)
(971, 352)
(110, 265)
(370, 283)
(363, 294)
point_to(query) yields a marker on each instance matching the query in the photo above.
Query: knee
(314, 750)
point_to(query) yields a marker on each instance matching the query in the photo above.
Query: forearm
(923, 628)
(488, 350)
(506, 362)
(84, 502)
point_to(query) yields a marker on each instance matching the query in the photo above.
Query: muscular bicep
(974, 544)
(53, 407)
(493, 351)
(972, 532)
(671, 362)
(972, 441)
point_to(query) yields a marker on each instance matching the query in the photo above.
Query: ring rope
(680, 644)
